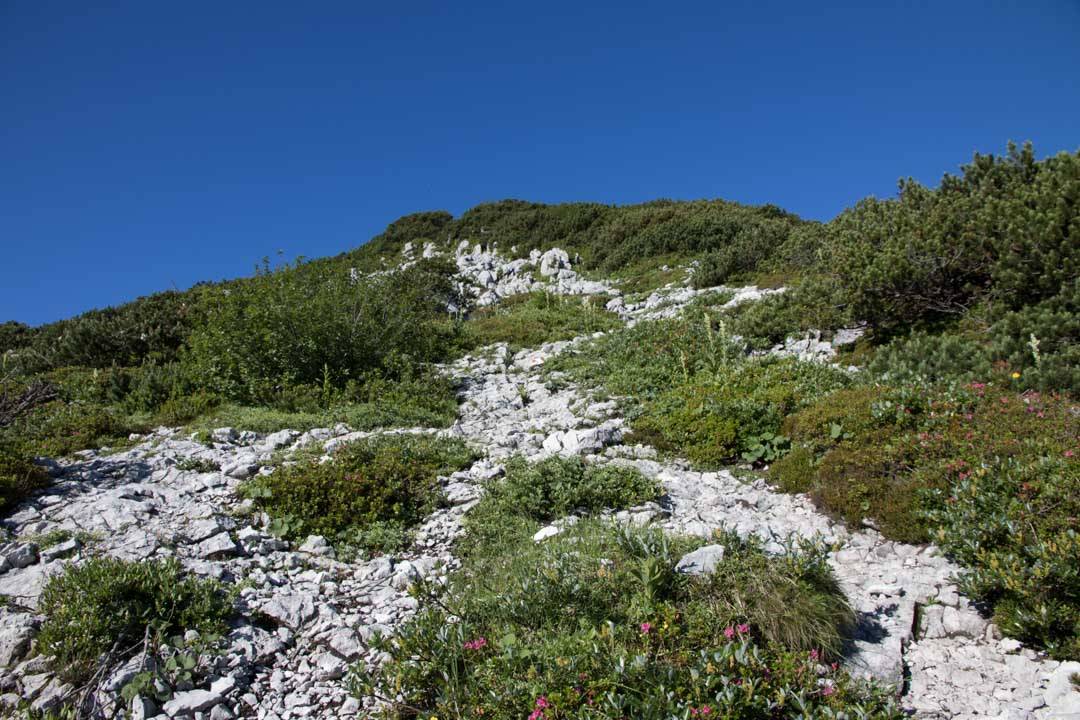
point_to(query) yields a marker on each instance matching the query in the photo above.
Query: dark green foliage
(557, 487)
(606, 237)
(14, 335)
(371, 490)
(1042, 341)
(152, 328)
(932, 358)
(715, 417)
(595, 622)
(101, 611)
(1015, 526)
(746, 251)
(693, 391)
(18, 478)
(1004, 231)
(317, 326)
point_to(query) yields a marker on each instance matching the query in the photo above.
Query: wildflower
(1016, 376)
(542, 702)
(729, 632)
(645, 628)
(815, 655)
(828, 690)
(536, 715)
(743, 629)
(1069, 453)
(476, 644)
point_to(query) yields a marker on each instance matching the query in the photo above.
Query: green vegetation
(560, 486)
(692, 390)
(304, 345)
(103, 610)
(537, 318)
(991, 257)
(988, 472)
(18, 478)
(607, 238)
(368, 497)
(596, 622)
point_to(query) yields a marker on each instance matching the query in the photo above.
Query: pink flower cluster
(732, 630)
(541, 704)
(646, 628)
(703, 711)
(476, 644)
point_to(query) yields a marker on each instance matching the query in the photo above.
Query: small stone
(546, 532)
(23, 555)
(702, 561)
(292, 610)
(220, 545)
(317, 545)
(1009, 645)
(346, 643)
(61, 549)
(191, 701)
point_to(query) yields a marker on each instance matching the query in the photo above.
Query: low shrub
(373, 489)
(18, 478)
(932, 358)
(596, 622)
(57, 428)
(317, 324)
(537, 318)
(871, 480)
(558, 486)
(715, 417)
(987, 471)
(1015, 526)
(102, 611)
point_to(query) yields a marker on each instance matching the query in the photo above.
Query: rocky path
(306, 615)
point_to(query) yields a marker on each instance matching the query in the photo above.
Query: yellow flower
(1016, 376)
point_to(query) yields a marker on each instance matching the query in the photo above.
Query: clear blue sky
(148, 145)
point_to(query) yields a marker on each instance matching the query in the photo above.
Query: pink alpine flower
(743, 629)
(476, 644)
(646, 628)
(729, 632)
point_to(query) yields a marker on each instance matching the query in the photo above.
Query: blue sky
(147, 145)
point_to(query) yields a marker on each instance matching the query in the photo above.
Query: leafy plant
(391, 479)
(596, 622)
(103, 611)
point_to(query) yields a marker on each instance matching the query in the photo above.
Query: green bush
(153, 328)
(558, 486)
(101, 611)
(595, 622)
(57, 429)
(988, 472)
(746, 252)
(537, 318)
(315, 325)
(932, 358)
(18, 478)
(1014, 525)
(371, 489)
(716, 416)
(1003, 231)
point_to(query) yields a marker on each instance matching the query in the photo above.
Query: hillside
(677, 459)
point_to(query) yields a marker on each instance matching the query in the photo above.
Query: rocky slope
(305, 615)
